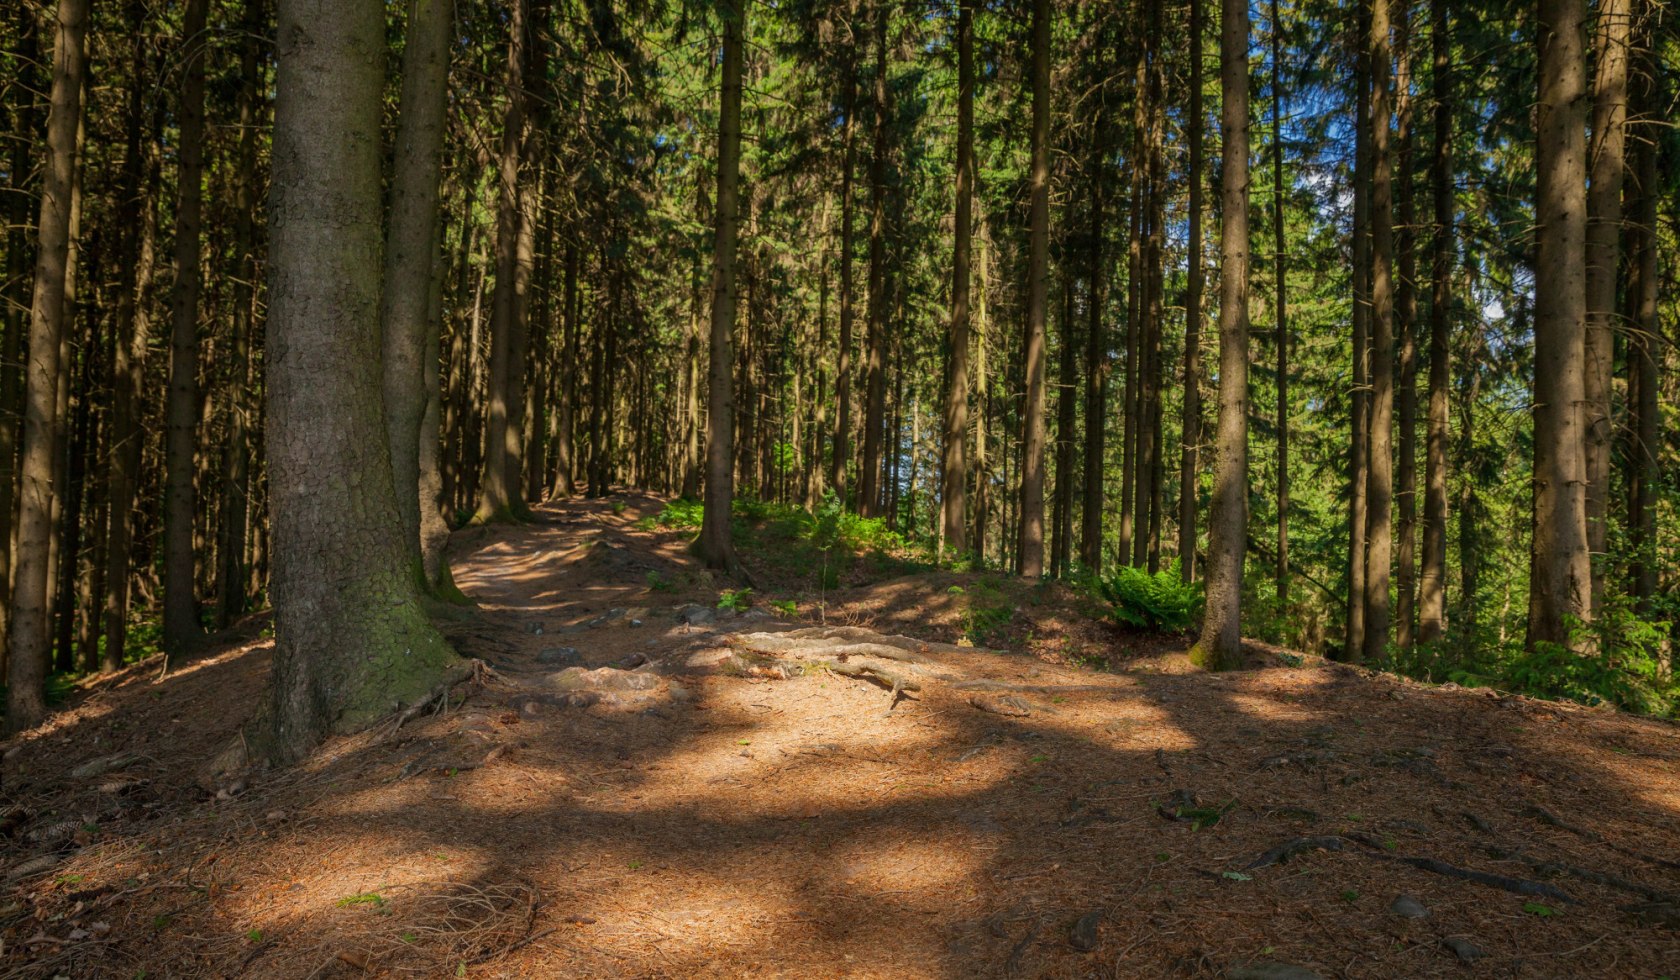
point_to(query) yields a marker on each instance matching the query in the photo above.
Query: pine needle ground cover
(733, 812)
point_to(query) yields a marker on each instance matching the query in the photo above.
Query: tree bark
(954, 465)
(1096, 364)
(500, 497)
(1604, 232)
(717, 546)
(411, 247)
(1220, 645)
(1031, 534)
(26, 669)
(875, 399)
(351, 640)
(181, 628)
(1281, 298)
(1190, 443)
(1432, 605)
(137, 218)
(1360, 453)
(1560, 587)
(1645, 339)
(1379, 526)
(1405, 315)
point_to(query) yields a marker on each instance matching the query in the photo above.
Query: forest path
(720, 804)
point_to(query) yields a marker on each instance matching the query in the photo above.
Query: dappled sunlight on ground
(723, 812)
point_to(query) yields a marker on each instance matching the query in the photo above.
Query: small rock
(1084, 935)
(1270, 971)
(1407, 907)
(276, 816)
(695, 615)
(607, 617)
(1464, 949)
(630, 662)
(560, 656)
(756, 613)
(605, 679)
(534, 628)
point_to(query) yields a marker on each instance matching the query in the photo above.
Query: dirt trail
(726, 807)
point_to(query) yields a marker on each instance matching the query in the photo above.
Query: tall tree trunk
(869, 503)
(1190, 443)
(1280, 259)
(1096, 365)
(1645, 338)
(411, 247)
(1560, 580)
(1405, 314)
(232, 575)
(566, 417)
(1067, 420)
(1359, 439)
(500, 496)
(181, 628)
(351, 640)
(1603, 259)
(1432, 606)
(842, 361)
(26, 669)
(137, 219)
(954, 466)
(1379, 531)
(24, 116)
(717, 546)
(1220, 646)
(1031, 533)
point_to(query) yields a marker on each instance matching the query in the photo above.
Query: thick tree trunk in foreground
(1432, 592)
(954, 465)
(717, 545)
(411, 246)
(1560, 579)
(1604, 235)
(351, 641)
(1220, 646)
(1379, 527)
(1405, 318)
(1190, 444)
(26, 669)
(180, 603)
(1031, 535)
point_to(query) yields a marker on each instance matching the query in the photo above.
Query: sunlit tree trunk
(1560, 586)
(1280, 260)
(1220, 645)
(1031, 534)
(717, 546)
(1644, 338)
(1405, 316)
(874, 416)
(1603, 258)
(1379, 532)
(1432, 606)
(954, 464)
(1190, 443)
(1359, 438)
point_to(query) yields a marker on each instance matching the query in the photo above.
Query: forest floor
(727, 801)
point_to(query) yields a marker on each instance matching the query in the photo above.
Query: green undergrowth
(1142, 599)
(829, 545)
(1620, 660)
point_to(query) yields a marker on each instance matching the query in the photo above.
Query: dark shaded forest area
(1054, 363)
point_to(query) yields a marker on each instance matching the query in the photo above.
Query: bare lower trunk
(1190, 443)
(717, 546)
(180, 603)
(1031, 535)
(26, 669)
(1604, 233)
(351, 641)
(1560, 586)
(1379, 526)
(411, 246)
(954, 465)
(1220, 646)
(1432, 604)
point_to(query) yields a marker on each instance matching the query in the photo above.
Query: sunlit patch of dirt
(1062, 799)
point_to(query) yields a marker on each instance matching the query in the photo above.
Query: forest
(1170, 382)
